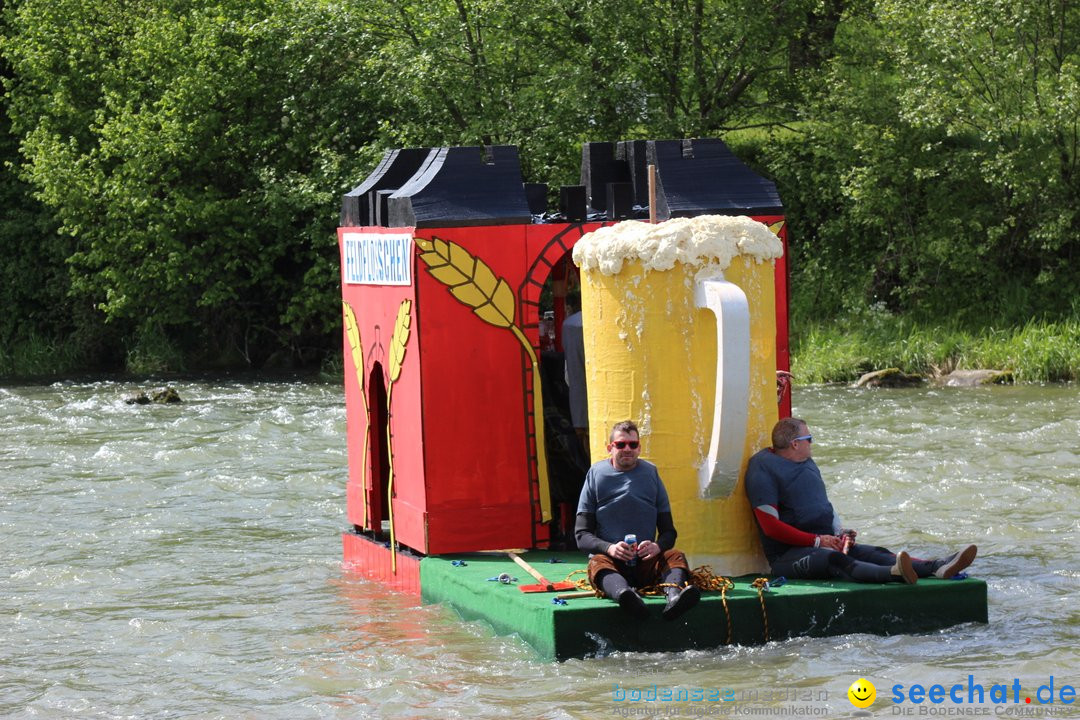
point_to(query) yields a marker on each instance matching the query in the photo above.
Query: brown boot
(956, 562)
(903, 568)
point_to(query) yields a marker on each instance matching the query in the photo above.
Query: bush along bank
(842, 349)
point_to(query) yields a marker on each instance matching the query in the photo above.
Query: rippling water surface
(184, 561)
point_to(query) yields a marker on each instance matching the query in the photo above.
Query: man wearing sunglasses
(623, 495)
(800, 532)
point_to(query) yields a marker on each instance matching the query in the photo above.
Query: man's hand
(783, 385)
(832, 542)
(647, 549)
(620, 551)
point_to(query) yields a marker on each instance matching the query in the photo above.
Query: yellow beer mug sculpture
(680, 336)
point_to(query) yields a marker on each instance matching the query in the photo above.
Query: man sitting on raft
(623, 495)
(801, 534)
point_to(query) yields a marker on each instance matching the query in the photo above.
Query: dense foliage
(173, 167)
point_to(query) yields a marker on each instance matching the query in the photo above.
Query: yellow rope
(397, 357)
(760, 584)
(390, 481)
(703, 577)
(582, 583)
(657, 589)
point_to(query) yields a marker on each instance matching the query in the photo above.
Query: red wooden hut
(445, 255)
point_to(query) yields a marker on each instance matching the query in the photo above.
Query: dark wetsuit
(792, 508)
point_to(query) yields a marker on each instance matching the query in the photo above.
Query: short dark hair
(786, 430)
(626, 426)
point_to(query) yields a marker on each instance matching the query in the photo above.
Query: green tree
(34, 282)
(470, 72)
(192, 151)
(999, 82)
(934, 168)
(550, 75)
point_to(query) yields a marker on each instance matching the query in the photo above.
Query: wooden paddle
(545, 584)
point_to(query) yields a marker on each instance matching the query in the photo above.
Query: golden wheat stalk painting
(473, 283)
(352, 333)
(397, 358)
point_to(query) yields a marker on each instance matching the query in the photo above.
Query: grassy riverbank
(840, 350)
(39, 357)
(833, 350)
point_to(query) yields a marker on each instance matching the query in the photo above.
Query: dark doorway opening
(379, 455)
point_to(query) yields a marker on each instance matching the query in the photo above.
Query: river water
(184, 561)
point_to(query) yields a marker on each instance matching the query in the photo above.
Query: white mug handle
(719, 474)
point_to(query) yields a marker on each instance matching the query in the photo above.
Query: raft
(589, 627)
(455, 281)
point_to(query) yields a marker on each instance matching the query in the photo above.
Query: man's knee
(839, 562)
(599, 564)
(676, 559)
(817, 564)
(872, 554)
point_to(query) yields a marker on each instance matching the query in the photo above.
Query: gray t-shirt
(624, 502)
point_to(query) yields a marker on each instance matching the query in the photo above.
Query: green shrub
(871, 338)
(153, 352)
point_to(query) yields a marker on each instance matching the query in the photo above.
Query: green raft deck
(589, 626)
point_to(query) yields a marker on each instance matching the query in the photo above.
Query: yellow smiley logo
(862, 693)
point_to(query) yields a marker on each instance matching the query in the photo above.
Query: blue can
(631, 540)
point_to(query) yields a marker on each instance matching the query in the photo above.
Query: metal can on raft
(631, 540)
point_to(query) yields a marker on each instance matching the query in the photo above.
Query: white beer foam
(703, 240)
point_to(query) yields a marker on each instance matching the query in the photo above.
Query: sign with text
(377, 258)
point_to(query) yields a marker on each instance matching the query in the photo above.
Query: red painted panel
(474, 528)
(474, 404)
(376, 309)
(372, 561)
(783, 354)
